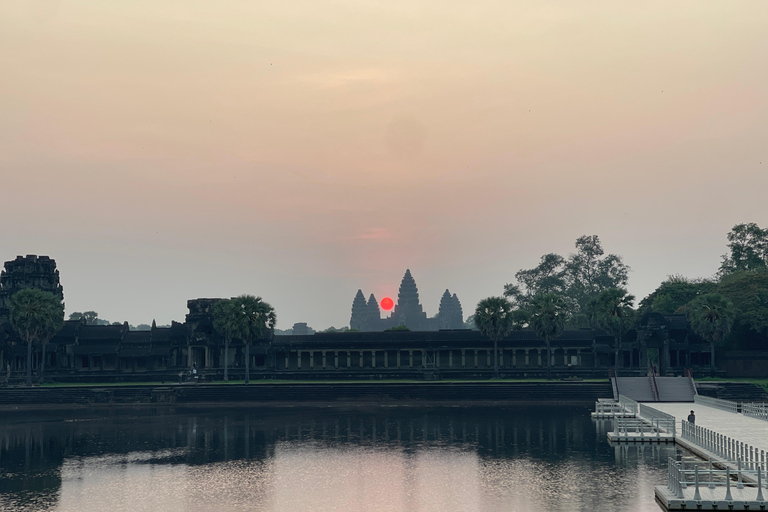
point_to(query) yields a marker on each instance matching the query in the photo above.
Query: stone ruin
(408, 311)
(28, 271)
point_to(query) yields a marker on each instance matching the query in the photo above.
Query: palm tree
(549, 314)
(613, 310)
(225, 321)
(494, 318)
(37, 316)
(255, 319)
(711, 317)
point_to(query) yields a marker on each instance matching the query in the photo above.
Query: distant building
(439, 344)
(408, 312)
(27, 272)
(301, 329)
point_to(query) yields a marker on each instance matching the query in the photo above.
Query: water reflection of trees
(32, 450)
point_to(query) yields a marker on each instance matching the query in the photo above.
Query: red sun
(387, 304)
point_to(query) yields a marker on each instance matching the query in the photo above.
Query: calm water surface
(531, 459)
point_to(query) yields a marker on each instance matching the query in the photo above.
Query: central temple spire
(408, 311)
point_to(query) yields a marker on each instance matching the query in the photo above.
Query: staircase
(639, 389)
(675, 389)
(734, 391)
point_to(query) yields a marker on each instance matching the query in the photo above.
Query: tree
(748, 245)
(225, 320)
(578, 279)
(493, 317)
(88, 317)
(587, 272)
(333, 329)
(674, 293)
(547, 277)
(255, 321)
(711, 317)
(36, 316)
(614, 312)
(748, 291)
(549, 314)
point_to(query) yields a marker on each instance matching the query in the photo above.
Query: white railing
(608, 408)
(626, 428)
(684, 474)
(717, 403)
(631, 406)
(755, 410)
(724, 446)
(664, 420)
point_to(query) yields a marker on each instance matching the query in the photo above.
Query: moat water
(531, 459)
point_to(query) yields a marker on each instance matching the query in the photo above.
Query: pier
(732, 438)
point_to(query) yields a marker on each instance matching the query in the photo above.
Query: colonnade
(324, 359)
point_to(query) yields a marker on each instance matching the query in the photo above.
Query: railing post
(696, 494)
(759, 484)
(739, 483)
(711, 476)
(728, 496)
(681, 480)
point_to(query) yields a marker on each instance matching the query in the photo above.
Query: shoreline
(320, 395)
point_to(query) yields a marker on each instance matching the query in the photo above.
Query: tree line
(37, 316)
(92, 318)
(588, 289)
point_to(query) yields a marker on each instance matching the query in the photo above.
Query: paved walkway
(748, 430)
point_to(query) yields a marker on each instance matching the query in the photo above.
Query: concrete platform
(633, 437)
(737, 426)
(711, 499)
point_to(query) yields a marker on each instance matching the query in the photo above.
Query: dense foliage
(674, 294)
(578, 279)
(748, 246)
(614, 312)
(36, 316)
(254, 320)
(590, 287)
(493, 317)
(225, 320)
(549, 314)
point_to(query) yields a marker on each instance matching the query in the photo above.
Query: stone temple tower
(450, 315)
(408, 310)
(359, 318)
(27, 272)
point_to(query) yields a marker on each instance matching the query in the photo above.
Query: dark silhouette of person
(692, 418)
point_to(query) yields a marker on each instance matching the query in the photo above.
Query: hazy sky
(300, 150)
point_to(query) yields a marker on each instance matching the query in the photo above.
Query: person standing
(692, 418)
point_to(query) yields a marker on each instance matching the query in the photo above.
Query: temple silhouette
(408, 312)
(436, 346)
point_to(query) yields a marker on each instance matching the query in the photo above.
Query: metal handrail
(755, 410)
(723, 446)
(654, 387)
(717, 403)
(630, 405)
(667, 420)
(624, 428)
(682, 474)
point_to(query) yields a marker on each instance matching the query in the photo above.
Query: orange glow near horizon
(299, 151)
